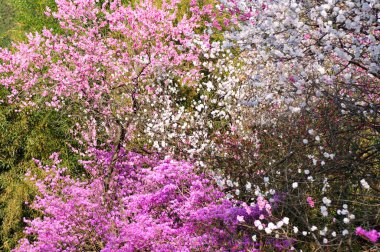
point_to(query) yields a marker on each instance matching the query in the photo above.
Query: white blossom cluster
(294, 58)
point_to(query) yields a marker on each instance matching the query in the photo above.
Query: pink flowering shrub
(161, 206)
(149, 204)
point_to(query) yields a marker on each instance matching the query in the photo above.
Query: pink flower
(310, 201)
(216, 24)
(371, 235)
(247, 208)
(240, 218)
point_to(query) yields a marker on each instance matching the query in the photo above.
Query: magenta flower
(310, 201)
(145, 204)
(371, 235)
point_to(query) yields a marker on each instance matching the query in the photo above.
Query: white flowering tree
(311, 87)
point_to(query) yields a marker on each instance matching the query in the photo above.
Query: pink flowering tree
(109, 59)
(137, 70)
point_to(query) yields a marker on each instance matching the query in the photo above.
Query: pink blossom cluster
(126, 66)
(106, 49)
(149, 204)
(371, 235)
(310, 201)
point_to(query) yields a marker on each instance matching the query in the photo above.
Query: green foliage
(18, 17)
(26, 135)
(7, 13)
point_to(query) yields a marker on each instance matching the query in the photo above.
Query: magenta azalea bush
(150, 205)
(162, 206)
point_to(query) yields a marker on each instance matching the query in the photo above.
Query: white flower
(254, 238)
(240, 218)
(313, 228)
(324, 211)
(268, 230)
(315, 161)
(346, 220)
(364, 184)
(156, 145)
(304, 233)
(340, 18)
(333, 234)
(295, 185)
(345, 232)
(248, 186)
(271, 225)
(286, 220)
(326, 201)
(325, 240)
(229, 183)
(257, 223)
(295, 229)
(280, 224)
(305, 141)
(209, 85)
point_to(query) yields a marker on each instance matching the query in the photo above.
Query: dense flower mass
(205, 125)
(309, 79)
(150, 204)
(371, 235)
(137, 68)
